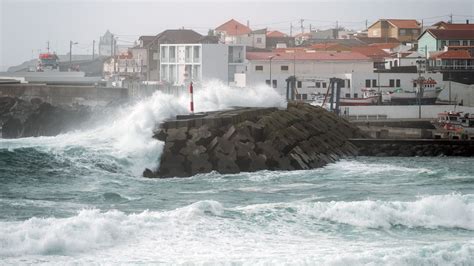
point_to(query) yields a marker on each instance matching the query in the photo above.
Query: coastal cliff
(253, 139)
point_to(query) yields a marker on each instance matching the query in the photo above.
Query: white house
(305, 65)
(234, 32)
(180, 63)
(403, 59)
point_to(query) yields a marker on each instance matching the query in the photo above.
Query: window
(443, 44)
(403, 32)
(465, 43)
(348, 95)
(348, 83)
(305, 96)
(298, 96)
(324, 84)
(274, 83)
(299, 84)
(318, 84)
(284, 68)
(367, 83)
(259, 68)
(374, 83)
(391, 83)
(259, 40)
(267, 82)
(414, 84)
(454, 43)
(356, 95)
(398, 83)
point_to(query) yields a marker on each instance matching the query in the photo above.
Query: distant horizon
(37, 22)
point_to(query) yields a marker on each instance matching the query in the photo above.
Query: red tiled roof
(404, 23)
(372, 52)
(275, 33)
(384, 45)
(370, 40)
(327, 46)
(322, 56)
(454, 54)
(234, 28)
(449, 26)
(451, 34)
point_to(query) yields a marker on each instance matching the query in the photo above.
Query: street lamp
(271, 58)
(420, 86)
(70, 52)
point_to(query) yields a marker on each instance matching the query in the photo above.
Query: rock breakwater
(253, 139)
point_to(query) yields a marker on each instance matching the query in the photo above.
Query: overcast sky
(26, 25)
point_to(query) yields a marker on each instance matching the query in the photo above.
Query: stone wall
(408, 148)
(247, 140)
(64, 94)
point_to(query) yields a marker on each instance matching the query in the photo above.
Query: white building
(314, 69)
(403, 59)
(198, 62)
(305, 65)
(106, 44)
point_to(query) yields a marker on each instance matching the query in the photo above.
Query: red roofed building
(330, 47)
(234, 32)
(453, 60)
(378, 55)
(454, 26)
(276, 34)
(433, 40)
(404, 30)
(284, 63)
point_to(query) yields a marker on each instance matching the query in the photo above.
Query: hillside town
(388, 63)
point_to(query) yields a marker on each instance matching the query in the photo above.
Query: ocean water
(79, 198)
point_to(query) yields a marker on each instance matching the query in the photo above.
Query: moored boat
(369, 97)
(428, 95)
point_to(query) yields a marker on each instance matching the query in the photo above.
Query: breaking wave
(207, 224)
(127, 136)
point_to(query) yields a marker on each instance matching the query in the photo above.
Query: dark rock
(301, 137)
(148, 173)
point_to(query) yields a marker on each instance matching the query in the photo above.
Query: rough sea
(78, 198)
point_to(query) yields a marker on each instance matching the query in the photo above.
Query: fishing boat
(454, 125)
(428, 95)
(369, 97)
(47, 62)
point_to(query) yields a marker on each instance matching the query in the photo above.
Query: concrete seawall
(414, 147)
(253, 139)
(64, 94)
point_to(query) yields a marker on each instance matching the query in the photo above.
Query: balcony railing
(452, 67)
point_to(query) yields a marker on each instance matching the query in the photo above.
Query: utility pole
(70, 54)
(93, 49)
(337, 30)
(366, 24)
(48, 46)
(310, 27)
(301, 25)
(291, 29)
(451, 18)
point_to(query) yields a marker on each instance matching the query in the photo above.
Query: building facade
(404, 30)
(106, 44)
(433, 40)
(181, 63)
(275, 68)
